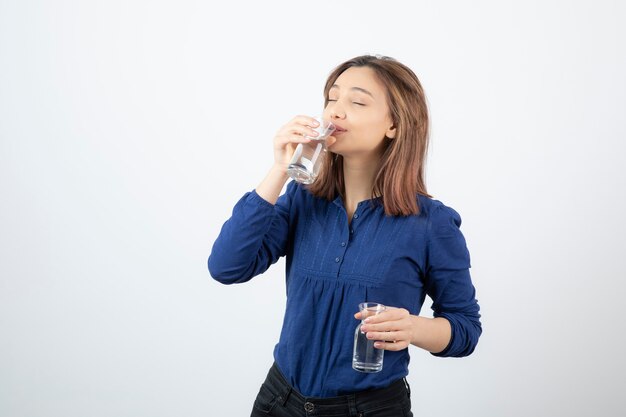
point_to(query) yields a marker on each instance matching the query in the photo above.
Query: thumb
(330, 141)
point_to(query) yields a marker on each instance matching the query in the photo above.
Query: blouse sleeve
(449, 283)
(253, 239)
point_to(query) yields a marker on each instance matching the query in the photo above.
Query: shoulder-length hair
(401, 174)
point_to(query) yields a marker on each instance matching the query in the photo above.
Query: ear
(391, 133)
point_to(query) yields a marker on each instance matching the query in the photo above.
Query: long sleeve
(449, 283)
(252, 239)
(332, 265)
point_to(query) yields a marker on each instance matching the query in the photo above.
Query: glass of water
(307, 159)
(365, 357)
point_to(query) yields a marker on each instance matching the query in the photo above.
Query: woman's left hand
(392, 329)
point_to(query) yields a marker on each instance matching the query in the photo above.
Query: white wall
(130, 128)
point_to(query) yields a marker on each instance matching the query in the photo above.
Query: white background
(130, 128)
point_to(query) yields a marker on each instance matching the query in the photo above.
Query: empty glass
(307, 159)
(365, 357)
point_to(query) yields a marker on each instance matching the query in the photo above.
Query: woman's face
(357, 105)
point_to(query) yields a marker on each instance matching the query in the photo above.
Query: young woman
(365, 230)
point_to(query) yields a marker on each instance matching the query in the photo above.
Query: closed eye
(354, 102)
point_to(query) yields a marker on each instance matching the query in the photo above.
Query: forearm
(252, 239)
(269, 189)
(431, 334)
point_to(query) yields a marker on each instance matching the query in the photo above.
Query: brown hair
(401, 174)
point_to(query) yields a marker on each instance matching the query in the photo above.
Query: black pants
(278, 399)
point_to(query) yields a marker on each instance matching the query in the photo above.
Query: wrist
(416, 330)
(269, 189)
(431, 334)
(279, 170)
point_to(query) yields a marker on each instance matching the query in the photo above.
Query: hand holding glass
(305, 164)
(365, 357)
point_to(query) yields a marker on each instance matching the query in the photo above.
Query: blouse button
(356, 216)
(343, 244)
(337, 260)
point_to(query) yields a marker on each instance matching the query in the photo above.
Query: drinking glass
(307, 159)
(365, 357)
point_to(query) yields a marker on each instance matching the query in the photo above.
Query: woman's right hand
(289, 136)
(285, 142)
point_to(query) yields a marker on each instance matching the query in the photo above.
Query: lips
(338, 129)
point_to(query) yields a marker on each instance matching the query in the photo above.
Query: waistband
(397, 392)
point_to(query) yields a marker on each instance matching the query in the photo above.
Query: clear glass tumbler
(365, 357)
(307, 159)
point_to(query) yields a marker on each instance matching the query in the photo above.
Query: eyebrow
(362, 90)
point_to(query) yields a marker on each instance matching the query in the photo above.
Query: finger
(382, 327)
(304, 130)
(330, 141)
(395, 346)
(298, 129)
(292, 138)
(362, 315)
(305, 120)
(387, 336)
(390, 314)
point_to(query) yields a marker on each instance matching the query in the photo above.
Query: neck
(359, 175)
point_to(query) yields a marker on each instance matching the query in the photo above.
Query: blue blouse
(332, 265)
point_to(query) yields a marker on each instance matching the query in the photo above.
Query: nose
(337, 112)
